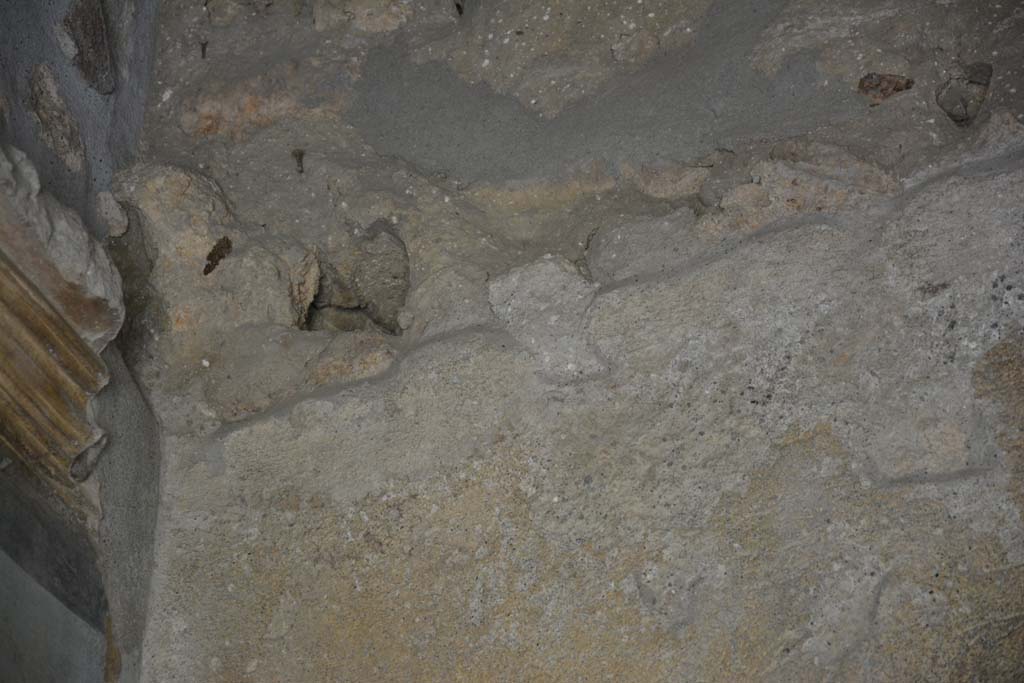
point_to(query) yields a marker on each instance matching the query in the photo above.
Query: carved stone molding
(47, 376)
(60, 304)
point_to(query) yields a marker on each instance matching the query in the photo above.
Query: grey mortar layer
(682, 105)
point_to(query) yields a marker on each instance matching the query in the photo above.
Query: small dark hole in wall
(459, 8)
(217, 254)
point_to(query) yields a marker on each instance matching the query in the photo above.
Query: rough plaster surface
(792, 469)
(709, 367)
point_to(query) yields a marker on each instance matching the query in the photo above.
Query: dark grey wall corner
(128, 476)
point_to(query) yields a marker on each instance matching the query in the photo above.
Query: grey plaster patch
(128, 476)
(426, 114)
(543, 306)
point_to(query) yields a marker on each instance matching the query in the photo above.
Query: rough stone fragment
(368, 16)
(86, 24)
(543, 305)
(375, 280)
(800, 178)
(452, 298)
(725, 172)
(635, 47)
(51, 244)
(963, 94)
(284, 91)
(112, 214)
(305, 282)
(382, 278)
(350, 357)
(235, 110)
(880, 87)
(259, 365)
(183, 217)
(587, 179)
(57, 127)
(644, 247)
(666, 181)
(835, 163)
